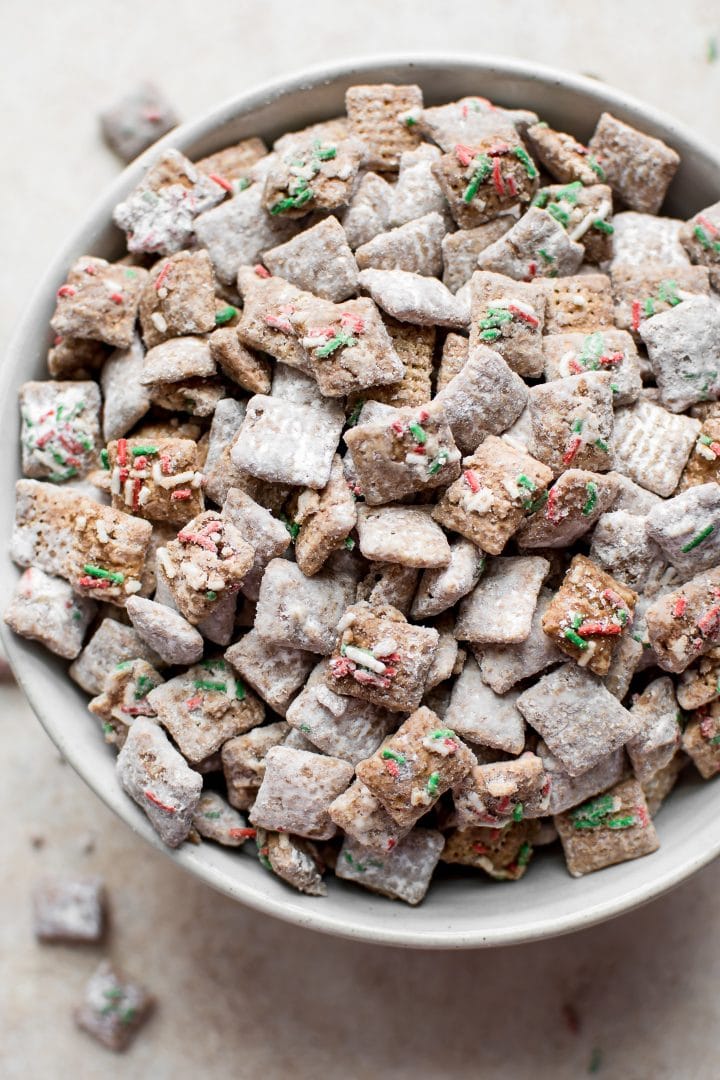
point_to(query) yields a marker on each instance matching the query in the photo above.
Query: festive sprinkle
(417, 433)
(518, 812)
(355, 414)
(144, 451)
(483, 168)
(680, 607)
(292, 527)
(595, 1060)
(603, 226)
(596, 167)
(349, 543)
(471, 480)
(210, 684)
(572, 449)
(596, 813)
(592, 493)
(100, 572)
(242, 834)
(636, 314)
(342, 339)
(524, 481)
(104, 459)
(66, 290)
(225, 315)
(575, 639)
(433, 784)
(524, 158)
(392, 755)
(524, 854)
(211, 594)
(260, 271)
(712, 50)
(601, 444)
(156, 802)
(221, 181)
(698, 539)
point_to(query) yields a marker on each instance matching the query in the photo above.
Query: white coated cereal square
(297, 789)
(275, 672)
(477, 713)
(46, 609)
(402, 534)
(298, 612)
(402, 874)
(500, 608)
(651, 445)
(684, 348)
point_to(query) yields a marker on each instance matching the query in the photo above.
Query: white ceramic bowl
(459, 912)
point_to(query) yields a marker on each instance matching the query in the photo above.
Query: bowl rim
(305, 913)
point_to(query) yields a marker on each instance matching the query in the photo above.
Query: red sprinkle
(706, 224)
(87, 582)
(636, 314)
(180, 494)
(261, 271)
(137, 487)
(392, 768)
(481, 849)
(398, 427)
(239, 834)
(66, 290)
(193, 702)
(572, 450)
(680, 607)
(530, 319)
(707, 727)
(532, 269)
(551, 510)
(116, 298)
(575, 367)
(154, 799)
(497, 177)
(643, 817)
(710, 622)
(122, 451)
(391, 844)
(512, 186)
(221, 181)
(591, 628)
(162, 275)
(613, 598)
(472, 480)
(611, 359)
(464, 154)
(165, 466)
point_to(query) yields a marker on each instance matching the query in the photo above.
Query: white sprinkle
(347, 620)
(165, 562)
(587, 654)
(102, 533)
(128, 492)
(158, 321)
(143, 495)
(385, 647)
(364, 659)
(173, 481)
(133, 585)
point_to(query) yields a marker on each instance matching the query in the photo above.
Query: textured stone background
(243, 995)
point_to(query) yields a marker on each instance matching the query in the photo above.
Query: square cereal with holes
(584, 212)
(499, 610)
(477, 713)
(363, 819)
(608, 350)
(491, 178)
(113, 1009)
(574, 503)
(657, 741)
(299, 612)
(610, 828)
(99, 300)
(368, 210)
(325, 519)
(572, 422)
(402, 874)
(209, 557)
(498, 793)
(59, 429)
(683, 345)
(45, 609)
(504, 854)
(536, 246)
(700, 237)
(123, 698)
(581, 303)
(376, 116)
(687, 528)
(442, 587)
(233, 164)
(651, 445)
(297, 790)
(401, 534)
(178, 298)
(69, 909)
(275, 672)
(268, 536)
(566, 159)
(684, 624)
(637, 166)
(159, 480)
(460, 250)
(319, 260)
(112, 643)
(243, 761)
(414, 246)
(417, 192)
(238, 363)
(415, 347)
(509, 317)
(136, 120)
(648, 289)
(238, 232)
(484, 397)
(502, 667)
(389, 583)
(311, 174)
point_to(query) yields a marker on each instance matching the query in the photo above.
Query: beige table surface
(241, 995)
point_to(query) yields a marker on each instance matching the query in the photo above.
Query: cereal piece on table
(177, 360)
(621, 546)
(651, 445)
(318, 260)
(178, 297)
(238, 232)
(274, 672)
(204, 707)
(414, 246)
(566, 159)
(581, 303)
(365, 821)
(45, 609)
(75, 358)
(470, 119)
(288, 443)
(233, 164)
(170, 635)
(609, 829)
(216, 820)
(60, 429)
(389, 583)
(158, 481)
(639, 292)
(417, 192)
(589, 614)
(291, 859)
(376, 113)
(100, 551)
(441, 588)
(479, 714)
(701, 740)
(508, 316)
(341, 726)
(99, 300)
(504, 854)
(395, 677)
(298, 612)
(401, 534)
(252, 372)
(498, 487)
(368, 211)
(326, 518)
(69, 909)
(137, 120)
(311, 174)
(567, 791)
(704, 462)
(111, 644)
(687, 528)
(499, 610)
(637, 166)
(574, 503)
(572, 422)
(412, 298)
(700, 237)
(657, 741)
(415, 766)
(584, 212)
(402, 874)
(485, 397)
(536, 246)
(683, 344)
(602, 350)
(453, 359)
(124, 698)
(158, 216)
(684, 624)
(503, 667)
(657, 788)
(412, 451)
(159, 780)
(125, 399)
(577, 716)
(243, 761)
(700, 683)
(268, 536)
(348, 346)
(499, 793)
(296, 791)
(113, 1009)
(489, 179)
(460, 250)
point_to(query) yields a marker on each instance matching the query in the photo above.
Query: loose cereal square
(69, 909)
(588, 615)
(499, 610)
(572, 422)
(509, 317)
(621, 546)
(59, 429)
(389, 583)
(137, 120)
(174, 639)
(574, 503)
(268, 536)
(498, 487)
(578, 718)
(238, 232)
(687, 528)
(442, 587)
(232, 167)
(274, 672)
(567, 791)
(113, 1009)
(504, 854)
(412, 298)
(325, 519)
(502, 667)
(402, 874)
(700, 237)
(640, 292)
(566, 159)
(159, 780)
(652, 445)
(703, 465)
(204, 707)
(602, 350)
(637, 166)
(311, 174)
(381, 658)
(298, 612)
(216, 820)
(292, 859)
(124, 698)
(288, 443)
(501, 792)
(460, 250)
(125, 399)
(363, 819)
(657, 741)
(484, 397)
(401, 534)
(237, 362)
(415, 766)
(417, 192)
(45, 609)
(415, 246)
(178, 297)
(683, 345)
(112, 643)
(491, 178)
(99, 300)
(208, 557)
(376, 118)
(577, 304)
(701, 740)
(243, 761)
(318, 260)
(296, 791)
(158, 481)
(479, 714)
(536, 246)
(584, 212)
(611, 828)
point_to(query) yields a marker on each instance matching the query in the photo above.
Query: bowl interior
(461, 910)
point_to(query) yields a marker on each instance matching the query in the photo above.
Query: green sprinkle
(545, 255)
(533, 507)
(242, 184)
(483, 168)
(213, 815)
(560, 215)
(99, 572)
(108, 729)
(433, 784)
(602, 445)
(293, 202)
(577, 426)
(410, 121)
(123, 665)
(292, 527)
(114, 993)
(210, 684)
(701, 236)
(144, 685)
(603, 226)
(342, 339)
(595, 1060)
(615, 388)
(438, 463)
(391, 755)
(144, 451)
(592, 493)
(698, 539)
(224, 315)
(525, 482)
(715, 740)
(355, 414)
(524, 854)
(569, 193)
(649, 307)
(541, 199)
(349, 543)
(524, 158)
(577, 620)
(443, 733)
(305, 728)
(104, 459)
(596, 167)
(667, 293)
(240, 693)
(712, 50)
(518, 812)
(417, 433)
(131, 274)
(495, 317)
(595, 814)
(575, 639)
(59, 477)
(491, 335)
(211, 595)
(262, 856)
